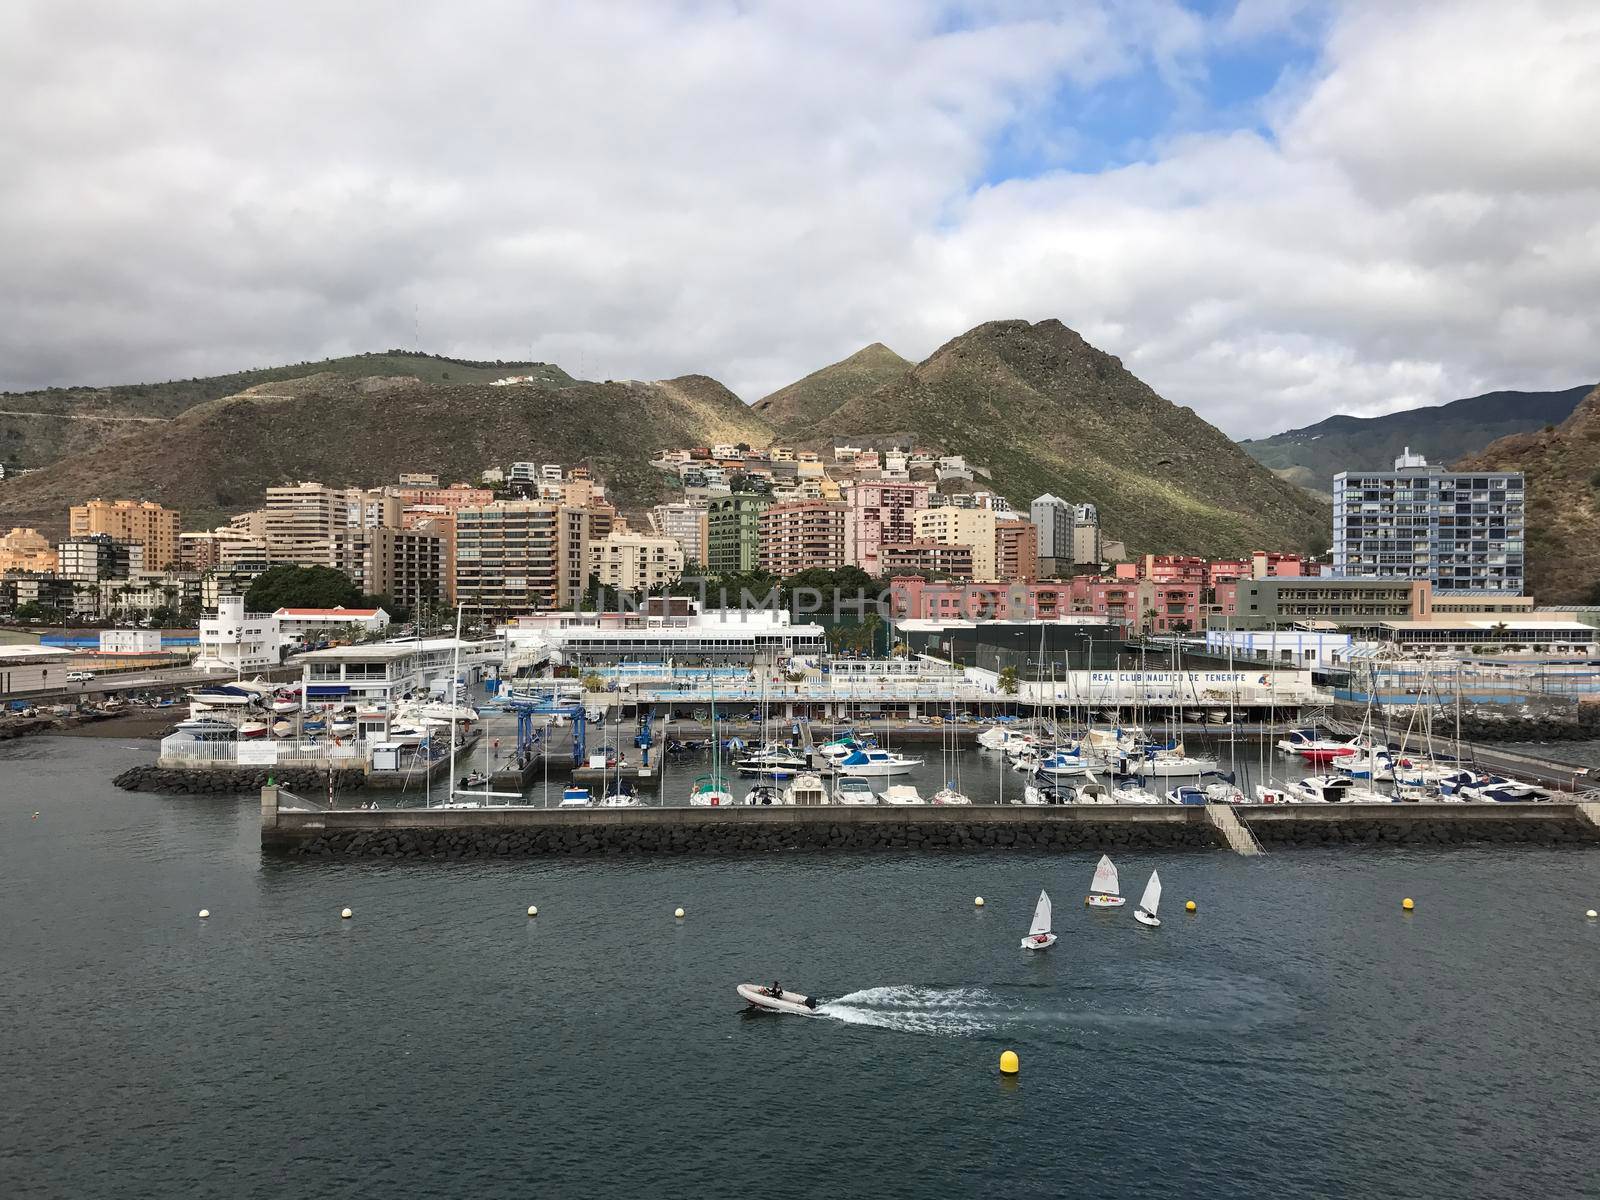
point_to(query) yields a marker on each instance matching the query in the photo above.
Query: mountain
(1035, 404)
(798, 407)
(39, 427)
(1443, 433)
(1562, 466)
(1046, 411)
(216, 457)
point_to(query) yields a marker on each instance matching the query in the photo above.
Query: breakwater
(524, 832)
(188, 781)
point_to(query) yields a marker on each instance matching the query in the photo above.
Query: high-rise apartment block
(879, 511)
(139, 521)
(521, 556)
(802, 534)
(1461, 530)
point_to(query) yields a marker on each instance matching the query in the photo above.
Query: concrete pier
(520, 831)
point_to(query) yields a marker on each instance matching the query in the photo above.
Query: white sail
(1105, 878)
(1151, 899)
(1041, 916)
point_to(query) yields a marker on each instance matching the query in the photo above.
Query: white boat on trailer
(774, 999)
(1039, 935)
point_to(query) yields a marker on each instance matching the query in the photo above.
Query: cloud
(752, 190)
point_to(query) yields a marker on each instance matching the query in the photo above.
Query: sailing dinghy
(1145, 914)
(1039, 935)
(1104, 892)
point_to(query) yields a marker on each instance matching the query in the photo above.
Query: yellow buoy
(204, 913)
(977, 902)
(346, 914)
(678, 912)
(1188, 906)
(1008, 1062)
(1591, 914)
(1407, 904)
(533, 910)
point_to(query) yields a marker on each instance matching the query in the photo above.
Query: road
(22, 412)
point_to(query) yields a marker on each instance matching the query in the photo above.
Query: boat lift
(527, 709)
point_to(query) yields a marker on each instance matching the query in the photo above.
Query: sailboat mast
(455, 672)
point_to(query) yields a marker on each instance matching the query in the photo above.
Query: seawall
(524, 832)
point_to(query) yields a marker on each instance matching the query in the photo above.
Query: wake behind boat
(775, 999)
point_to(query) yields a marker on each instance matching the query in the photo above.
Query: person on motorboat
(776, 990)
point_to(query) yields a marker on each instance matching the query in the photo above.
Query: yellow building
(950, 526)
(26, 550)
(141, 521)
(635, 562)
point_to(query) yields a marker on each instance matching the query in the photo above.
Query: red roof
(354, 613)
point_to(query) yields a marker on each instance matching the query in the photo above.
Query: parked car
(79, 676)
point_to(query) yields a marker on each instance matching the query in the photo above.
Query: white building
(130, 641)
(237, 641)
(376, 676)
(296, 624)
(687, 636)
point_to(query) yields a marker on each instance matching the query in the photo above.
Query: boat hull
(1145, 918)
(1098, 900)
(792, 1003)
(1029, 943)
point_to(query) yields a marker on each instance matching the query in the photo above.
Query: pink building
(879, 511)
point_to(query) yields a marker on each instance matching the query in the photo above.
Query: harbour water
(1297, 1036)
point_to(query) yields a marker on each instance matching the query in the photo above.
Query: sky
(1271, 210)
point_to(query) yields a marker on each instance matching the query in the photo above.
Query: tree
(34, 611)
(1008, 680)
(289, 586)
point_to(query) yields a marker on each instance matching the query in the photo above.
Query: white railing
(180, 750)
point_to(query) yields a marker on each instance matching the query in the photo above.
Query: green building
(733, 532)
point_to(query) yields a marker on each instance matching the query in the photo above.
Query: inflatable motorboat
(785, 1002)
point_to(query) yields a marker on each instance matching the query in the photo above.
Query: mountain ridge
(1034, 403)
(1441, 432)
(1562, 466)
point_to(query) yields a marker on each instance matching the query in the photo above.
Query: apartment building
(635, 562)
(1088, 549)
(93, 557)
(300, 520)
(27, 550)
(733, 532)
(926, 558)
(802, 534)
(1053, 520)
(1016, 550)
(441, 522)
(1461, 531)
(521, 555)
(684, 522)
(1285, 600)
(457, 495)
(973, 527)
(876, 512)
(406, 565)
(138, 521)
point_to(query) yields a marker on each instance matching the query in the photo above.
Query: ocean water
(1298, 1036)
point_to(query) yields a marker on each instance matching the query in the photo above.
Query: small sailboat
(1104, 891)
(710, 790)
(1039, 935)
(1145, 914)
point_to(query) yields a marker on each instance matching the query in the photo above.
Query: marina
(1298, 988)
